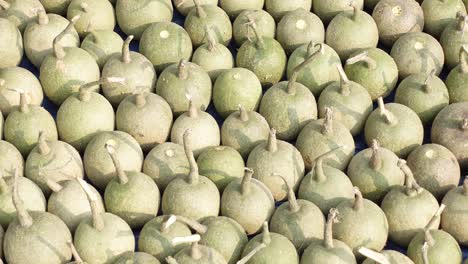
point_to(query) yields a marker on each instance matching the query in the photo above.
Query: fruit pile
(250, 132)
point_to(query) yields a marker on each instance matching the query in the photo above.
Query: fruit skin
(456, 80)
(71, 204)
(454, 217)
(401, 134)
(378, 81)
(165, 162)
(350, 31)
(452, 40)
(206, 255)
(150, 124)
(11, 47)
(22, 128)
(438, 14)
(234, 87)
(79, 120)
(58, 7)
(426, 95)
(320, 72)
(375, 181)
(184, 6)
(214, 58)
(221, 165)
(102, 44)
(47, 228)
(157, 242)
(299, 27)
(52, 160)
(133, 16)
(21, 12)
(265, 23)
(417, 52)
(397, 17)
(165, 43)
(182, 82)
(444, 250)
(214, 18)
(244, 135)
(95, 15)
(339, 254)
(234, 7)
(265, 57)
(98, 165)
(435, 168)
(95, 246)
(61, 77)
(449, 130)
(278, 8)
(38, 38)
(10, 158)
(137, 257)
(17, 78)
(394, 257)
(327, 10)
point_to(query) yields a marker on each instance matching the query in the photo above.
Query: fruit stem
(54, 186)
(364, 57)
(244, 117)
(200, 11)
(194, 239)
(327, 127)
(428, 238)
(195, 225)
(192, 111)
(433, 223)
(389, 117)
(412, 187)
(465, 186)
(251, 254)
(358, 199)
(210, 38)
(126, 50)
(328, 237)
(24, 217)
(344, 83)
(44, 148)
(355, 11)
(318, 165)
(85, 89)
(376, 158)
(253, 25)
(140, 100)
(24, 102)
(97, 213)
(171, 260)
(42, 17)
(463, 59)
(3, 185)
(110, 148)
(85, 7)
(193, 176)
(424, 251)
(427, 83)
(464, 124)
(266, 236)
(272, 145)
(461, 21)
(293, 205)
(4, 4)
(374, 255)
(245, 184)
(75, 254)
(168, 221)
(59, 52)
(292, 81)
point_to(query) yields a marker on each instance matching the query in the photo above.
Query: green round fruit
(327, 10)
(456, 80)
(265, 22)
(454, 217)
(278, 8)
(102, 44)
(184, 6)
(11, 44)
(137, 258)
(444, 249)
(438, 14)
(234, 7)
(20, 12)
(58, 7)
(10, 158)
(94, 15)
(453, 38)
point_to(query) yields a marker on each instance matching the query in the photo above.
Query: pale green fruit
(327, 10)
(278, 8)
(10, 158)
(11, 44)
(102, 44)
(58, 7)
(265, 23)
(94, 15)
(438, 14)
(20, 12)
(234, 7)
(184, 6)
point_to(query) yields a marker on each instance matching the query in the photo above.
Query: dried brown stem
(244, 116)
(194, 176)
(292, 81)
(363, 57)
(97, 213)
(121, 174)
(126, 58)
(246, 181)
(272, 145)
(332, 219)
(388, 116)
(59, 52)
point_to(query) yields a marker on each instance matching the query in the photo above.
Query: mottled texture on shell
(397, 17)
(78, 121)
(150, 124)
(327, 10)
(60, 78)
(417, 52)
(402, 137)
(236, 87)
(137, 258)
(279, 251)
(216, 19)
(99, 15)
(347, 34)
(456, 85)
(452, 40)
(299, 27)
(445, 249)
(320, 72)
(207, 255)
(11, 44)
(98, 164)
(379, 81)
(197, 86)
(435, 168)
(312, 144)
(165, 162)
(278, 8)
(426, 104)
(21, 12)
(317, 252)
(102, 44)
(46, 238)
(17, 78)
(215, 61)
(56, 6)
(394, 257)
(38, 38)
(62, 163)
(221, 165)
(234, 7)
(10, 159)
(184, 6)
(438, 14)
(266, 25)
(22, 128)
(165, 43)
(455, 216)
(135, 16)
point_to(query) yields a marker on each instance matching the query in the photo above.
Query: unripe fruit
(11, 44)
(184, 6)
(438, 14)
(234, 7)
(453, 219)
(94, 15)
(265, 22)
(102, 44)
(453, 38)
(456, 80)
(327, 10)
(278, 8)
(10, 158)
(20, 12)
(58, 7)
